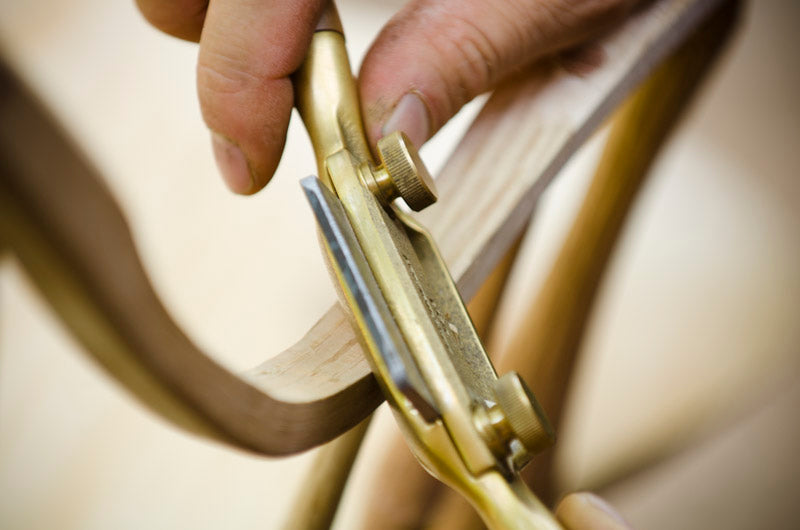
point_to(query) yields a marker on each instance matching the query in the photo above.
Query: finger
(586, 511)
(436, 55)
(179, 18)
(247, 52)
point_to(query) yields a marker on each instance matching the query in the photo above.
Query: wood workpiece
(322, 386)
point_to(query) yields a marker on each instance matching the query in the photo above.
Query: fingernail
(410, 115)
(232, 164)
(601, 505)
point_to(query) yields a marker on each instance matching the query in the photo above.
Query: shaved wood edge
(72, 239)
(547, 340)
(545, 346)
(322, 386)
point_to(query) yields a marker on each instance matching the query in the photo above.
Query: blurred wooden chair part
(64, 227)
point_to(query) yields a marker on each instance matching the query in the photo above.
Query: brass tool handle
(505, 505)
(399, 290)
(327, 99)
(326, 95)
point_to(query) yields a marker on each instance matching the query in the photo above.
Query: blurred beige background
(692, 353)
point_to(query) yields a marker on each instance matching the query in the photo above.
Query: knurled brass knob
(523, 414)
(409, 178)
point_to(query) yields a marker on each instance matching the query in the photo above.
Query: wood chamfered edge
(73, 240)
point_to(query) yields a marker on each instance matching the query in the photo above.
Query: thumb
(586, 511)
(436, 55)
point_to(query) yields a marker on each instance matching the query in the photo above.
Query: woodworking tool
(467, 427)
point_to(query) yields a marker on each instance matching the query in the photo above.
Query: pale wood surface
(741, 477)
(659, 367)
(474, 226)
(318, 500)
(544, 347)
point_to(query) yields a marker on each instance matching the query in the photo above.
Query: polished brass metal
(326, 96)
(423, 347)
(523, 413)
(517, 415)
(401, 174)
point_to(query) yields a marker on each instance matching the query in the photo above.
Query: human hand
(586, 511)
(428, 61)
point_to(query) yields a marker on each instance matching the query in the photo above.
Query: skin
(432, 57)
(438, 53)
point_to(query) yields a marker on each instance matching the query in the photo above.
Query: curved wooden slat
(544, 349)
(73, 239)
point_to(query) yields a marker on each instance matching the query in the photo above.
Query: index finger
(179, 18)
(248, 50)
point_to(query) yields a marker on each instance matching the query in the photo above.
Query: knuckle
(479, 53)
(225, 85)
(221, 74)
(467, 60)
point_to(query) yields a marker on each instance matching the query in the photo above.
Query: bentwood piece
(74, 242)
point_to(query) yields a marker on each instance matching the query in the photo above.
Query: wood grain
(73, 240)
(544, 348)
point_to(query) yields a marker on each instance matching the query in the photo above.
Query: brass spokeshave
(469, 428)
